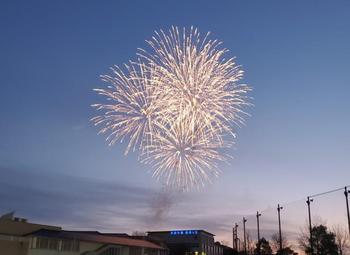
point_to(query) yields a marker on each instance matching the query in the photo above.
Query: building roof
(19, 227)
(171, 231)
(99, 233)
(96, 238)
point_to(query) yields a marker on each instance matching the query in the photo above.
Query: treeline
(322, 241)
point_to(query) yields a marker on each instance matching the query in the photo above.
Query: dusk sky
(55, 169)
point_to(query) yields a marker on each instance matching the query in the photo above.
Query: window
(70, 245)
(42, 243)
(135, 251)
(151, 251)
(111, 251)
(32, 243)
(53, 244)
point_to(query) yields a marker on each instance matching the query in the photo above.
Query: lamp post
(236, 236)
(257, 222)
(346, 192)
(279, 208)
(244, 236)
(239, 244)
(308, 201)
(233, 238)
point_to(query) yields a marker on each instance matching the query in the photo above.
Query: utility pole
(244, 236)
(236, 236)
(346, 192)
(308, 201)
(279, 208)
(233, 238)
(257, 222)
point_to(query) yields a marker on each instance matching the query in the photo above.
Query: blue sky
(296, 142)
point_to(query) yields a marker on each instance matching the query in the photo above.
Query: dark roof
(169, 231)
(92, 236)
(99, 233)
(116, 234)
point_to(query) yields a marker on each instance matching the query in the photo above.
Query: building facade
(19, 237)
(188, 242)
(52, 242)
(13, 231)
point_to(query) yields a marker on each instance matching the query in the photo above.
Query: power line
(328, 192)
(299, 200)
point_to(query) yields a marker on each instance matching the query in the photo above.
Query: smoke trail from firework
(177, 106)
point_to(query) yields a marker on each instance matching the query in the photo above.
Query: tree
(139, 233)
(341, 239)
(286, 251)
(224, 242)
(323, 242)
(265, 248)
(286, 247)
(275, 242)
(250, 243)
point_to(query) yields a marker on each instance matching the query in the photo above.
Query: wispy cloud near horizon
(78, 202)
(85, 203)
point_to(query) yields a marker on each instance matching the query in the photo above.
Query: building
(13, 231)
(19, 237)
(52, 242)
(226, 250)
(181, 242)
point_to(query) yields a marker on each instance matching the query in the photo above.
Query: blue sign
(183, 232)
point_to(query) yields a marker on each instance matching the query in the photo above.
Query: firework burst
(184, 158)
(177, 105)
(201, 82)
(135, 106)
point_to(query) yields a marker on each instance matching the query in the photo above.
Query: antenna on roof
(7, 216)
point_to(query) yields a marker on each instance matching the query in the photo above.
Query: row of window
(54, 244)
(111, 251)
(212, 250)
(12, 238)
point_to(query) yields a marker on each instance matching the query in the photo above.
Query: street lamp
(235, 234)
(346, 193)
(257, 222)
(244, 236)
(308, 201)
(279, 208)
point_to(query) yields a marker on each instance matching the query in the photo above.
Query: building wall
(178, 244)
(11, 240)
(91, 248)
(19, 228)
(8, 247)
(201, 243)
(206, 243)
(83, 247)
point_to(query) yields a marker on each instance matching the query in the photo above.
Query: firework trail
(177, 106)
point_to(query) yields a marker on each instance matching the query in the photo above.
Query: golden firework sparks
(184, 158)
(177, 104)
(133, 112)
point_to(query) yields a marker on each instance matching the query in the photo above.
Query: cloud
(85, 203)
(71, 201)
